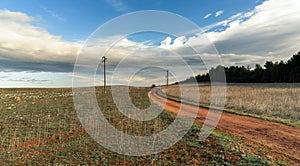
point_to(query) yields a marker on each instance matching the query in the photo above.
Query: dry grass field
(280, 100)
(40, 127)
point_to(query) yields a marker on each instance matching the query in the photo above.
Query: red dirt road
(280, 139)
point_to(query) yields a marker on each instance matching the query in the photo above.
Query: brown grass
(281, 100)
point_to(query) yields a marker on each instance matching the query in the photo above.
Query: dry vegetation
(40, 126)
(281, 100)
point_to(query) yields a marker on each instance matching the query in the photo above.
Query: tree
(294, 66)
(271, 72)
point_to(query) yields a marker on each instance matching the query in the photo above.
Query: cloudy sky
(40, 40)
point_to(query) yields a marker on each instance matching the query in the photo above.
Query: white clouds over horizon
(270, 30)
(266, 33)
(21, 40)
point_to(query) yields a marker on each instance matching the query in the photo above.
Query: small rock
(17, 98)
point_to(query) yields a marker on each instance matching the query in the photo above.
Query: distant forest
(278, 72)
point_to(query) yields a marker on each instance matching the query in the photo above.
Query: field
(40, 126)
(273, 101)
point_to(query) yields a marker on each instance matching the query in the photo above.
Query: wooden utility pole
(104, 66)
(167, 77)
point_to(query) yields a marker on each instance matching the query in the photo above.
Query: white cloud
(6, 15)
(218, 13)
(270, 32)
(271, 27)
(178, 42)
(20, 40)
(166, 42)
(118, 5)
(207, 16)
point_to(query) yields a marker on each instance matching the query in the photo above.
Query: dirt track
(281, 139)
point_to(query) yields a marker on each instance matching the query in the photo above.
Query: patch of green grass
(236, 146)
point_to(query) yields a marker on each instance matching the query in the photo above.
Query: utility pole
(167, 77)
(104, 66)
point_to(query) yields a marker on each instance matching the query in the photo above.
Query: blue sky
(76, 20)
(39, 40)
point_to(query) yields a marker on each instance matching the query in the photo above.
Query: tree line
(271, 72)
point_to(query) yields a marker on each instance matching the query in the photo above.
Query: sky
(40, 40)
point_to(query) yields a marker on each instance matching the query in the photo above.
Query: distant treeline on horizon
(278, 72)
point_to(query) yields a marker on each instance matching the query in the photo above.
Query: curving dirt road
(281, 139)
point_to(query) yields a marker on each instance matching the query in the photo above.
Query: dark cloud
(16, 66)
(255, 43)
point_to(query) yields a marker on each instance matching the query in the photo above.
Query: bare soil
(282, 141)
